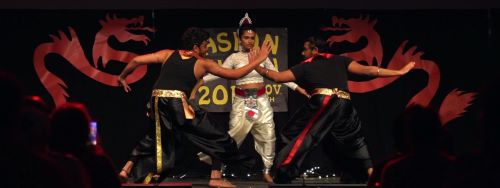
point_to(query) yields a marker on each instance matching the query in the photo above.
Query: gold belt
(188, 110)
(335, 91)
(168, 93)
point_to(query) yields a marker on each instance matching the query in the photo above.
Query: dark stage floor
(252, 183)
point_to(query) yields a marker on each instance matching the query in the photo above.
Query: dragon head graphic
(356, 31)
(68, 46)
(124, 30)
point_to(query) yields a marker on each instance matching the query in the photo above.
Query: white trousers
(262, 129)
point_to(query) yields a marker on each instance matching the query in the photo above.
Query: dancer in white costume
(251, 109)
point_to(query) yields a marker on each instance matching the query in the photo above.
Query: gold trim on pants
(188, 112)
(158, 138)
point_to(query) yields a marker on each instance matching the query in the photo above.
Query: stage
(245, 184)
(250, 183)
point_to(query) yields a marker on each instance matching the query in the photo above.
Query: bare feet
(220, 183)
(124, 173)
(370, 171)
(123, 176)
(216, 180)
(267, 178)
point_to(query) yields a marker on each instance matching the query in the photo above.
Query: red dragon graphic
(354, 29)
(69, 47)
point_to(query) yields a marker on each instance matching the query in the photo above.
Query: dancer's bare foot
(220, 183)
(216, 180)
(124, 173)
(267, 178)
(123, 176)
(370, 171)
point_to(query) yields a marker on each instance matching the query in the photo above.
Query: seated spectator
(70, 134)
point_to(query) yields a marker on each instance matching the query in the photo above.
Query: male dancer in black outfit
(329, 113)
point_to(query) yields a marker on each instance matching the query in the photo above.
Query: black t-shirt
(323, 73)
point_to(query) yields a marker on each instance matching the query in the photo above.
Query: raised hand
(407, 68)
(265, 49)
(259, 55)
(252, 55)
(303, 92)
(124, 84)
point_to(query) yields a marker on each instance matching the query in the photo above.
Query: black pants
(202, 132)
(324, 119)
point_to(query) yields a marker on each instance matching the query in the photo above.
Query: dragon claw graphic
(409, 53)
(54, 37)
(402, 57)
(455, 105)
(63, 38)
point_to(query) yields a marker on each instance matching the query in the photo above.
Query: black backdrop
(463, 44)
